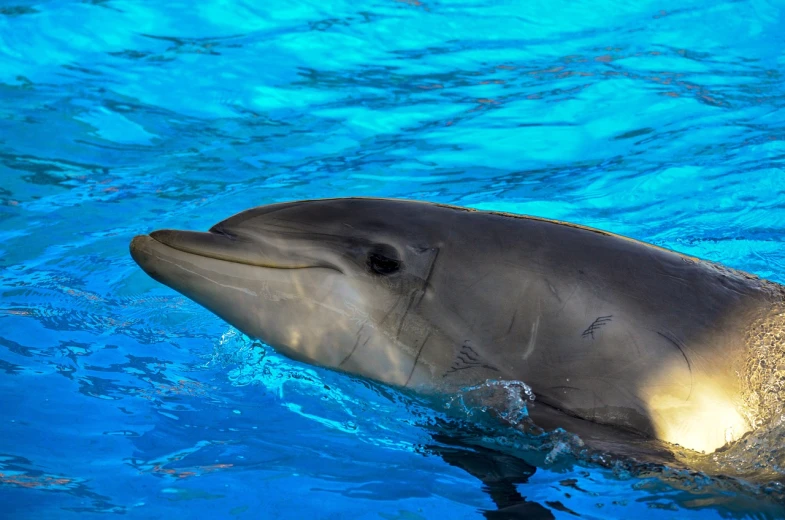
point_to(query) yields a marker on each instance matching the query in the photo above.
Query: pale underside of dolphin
(436, 298)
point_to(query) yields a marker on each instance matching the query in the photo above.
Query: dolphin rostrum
(436, 298)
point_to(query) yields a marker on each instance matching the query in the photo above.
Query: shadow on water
(500, 474)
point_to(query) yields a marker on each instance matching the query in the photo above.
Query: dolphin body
(436, 298)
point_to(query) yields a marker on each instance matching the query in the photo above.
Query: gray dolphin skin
(436, 298)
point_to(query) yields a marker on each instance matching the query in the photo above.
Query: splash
(339, 402)
(508, 399)
(504, 404)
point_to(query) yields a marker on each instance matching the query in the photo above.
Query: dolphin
(435, 298)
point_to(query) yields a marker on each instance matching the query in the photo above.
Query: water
(664, 121)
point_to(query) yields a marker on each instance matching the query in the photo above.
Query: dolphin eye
(380, 264)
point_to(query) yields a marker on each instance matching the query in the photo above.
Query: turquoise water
(664, 121)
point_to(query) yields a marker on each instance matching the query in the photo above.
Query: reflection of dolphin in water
(500, 474)
(435, 298)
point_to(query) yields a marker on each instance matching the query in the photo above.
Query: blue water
(664, 121)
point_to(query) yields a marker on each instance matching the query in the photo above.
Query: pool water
(661, 120)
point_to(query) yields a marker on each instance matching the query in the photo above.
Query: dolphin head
(329, 282)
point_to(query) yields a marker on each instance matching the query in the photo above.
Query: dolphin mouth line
(159, 237)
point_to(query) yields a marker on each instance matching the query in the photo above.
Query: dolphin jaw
(218, 245)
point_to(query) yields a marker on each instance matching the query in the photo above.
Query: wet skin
(435, 298)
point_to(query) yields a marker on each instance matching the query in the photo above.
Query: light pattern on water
(664, 121)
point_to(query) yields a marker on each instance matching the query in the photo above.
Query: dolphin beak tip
(137, 241)
(140, 246)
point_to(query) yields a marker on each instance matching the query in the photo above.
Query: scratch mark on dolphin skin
(391, 310)
(564, 304)
(468, 358)
(477, 280)
(679, 280)
(564, 388)
(596, 325)
(512, 322)
(412, 296)
(471, 366)
(417, 358)
(427, 281)
(676, 344)
(553, 290)
(354, 348)
(532, 336)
